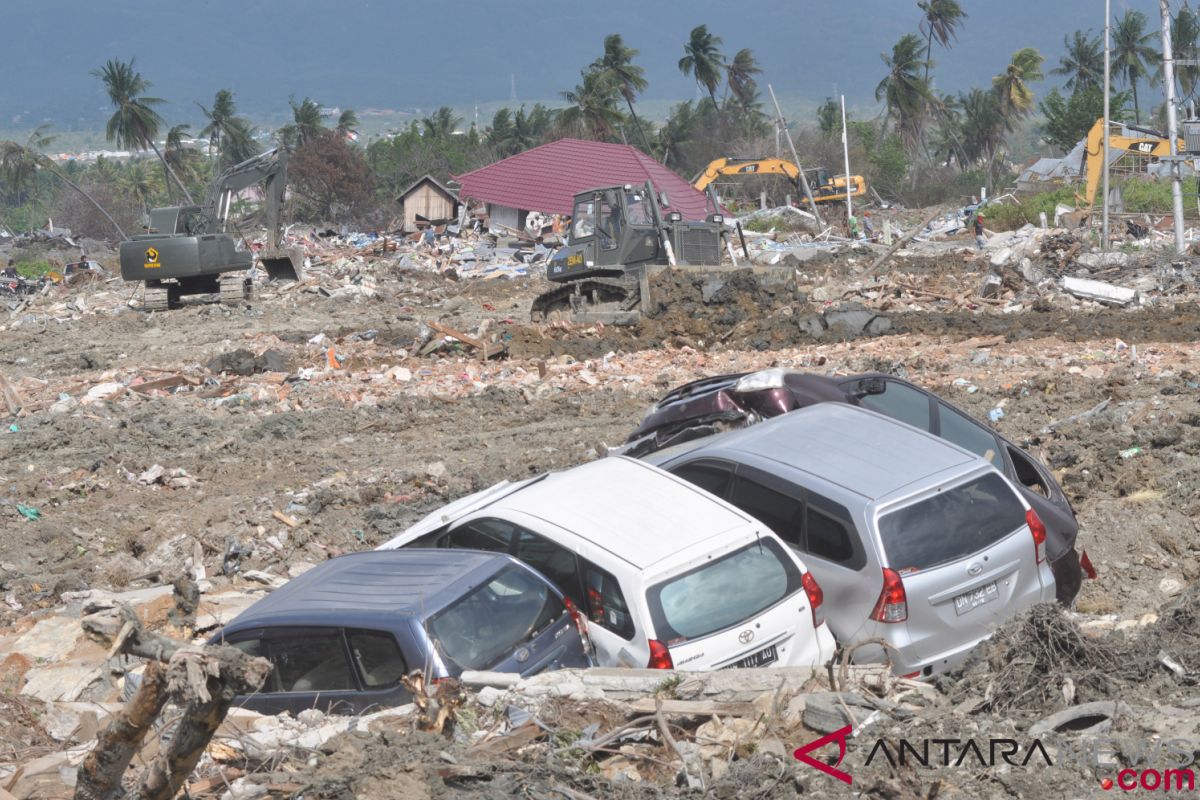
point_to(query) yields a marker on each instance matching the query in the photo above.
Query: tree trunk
(99, 776)
(1137, 112)
(638, 124)
(171, 172)
(62, 176)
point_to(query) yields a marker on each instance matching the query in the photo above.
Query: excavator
(620, 237)
(1144, 146)
(187, 251)
(826, 188)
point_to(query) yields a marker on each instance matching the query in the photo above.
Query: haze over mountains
(405, 55)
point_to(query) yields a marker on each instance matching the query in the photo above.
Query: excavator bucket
(283, 264)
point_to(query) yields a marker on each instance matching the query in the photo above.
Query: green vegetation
(32, 269)
(1141, 195)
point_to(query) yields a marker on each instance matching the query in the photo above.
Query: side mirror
(870, 386)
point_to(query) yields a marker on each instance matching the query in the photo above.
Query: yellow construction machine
(1137, 148)
(826, 188)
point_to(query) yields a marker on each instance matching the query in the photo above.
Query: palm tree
(940, 19)
(983, 128)
(1131, 52)
(136, 180)
(442, 123)
(135, 123)
(19, 164)
(740, 75)
(1083, 64)
(347, 122)
(1012, 86)
(238, 141)
(616, 67)
(306, 116)
(829, 118)
(903, 91)
(593, 108)
(218, 117)
(11, 152)
(1185, 37)
(703, 60)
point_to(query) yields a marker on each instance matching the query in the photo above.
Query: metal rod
(1107, 70)
(795, 158)
(846, 154)
(1164, 11)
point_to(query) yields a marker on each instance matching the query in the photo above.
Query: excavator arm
(270, 169)
(745, 166)
(1151, 145)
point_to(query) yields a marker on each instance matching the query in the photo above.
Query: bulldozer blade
(283, 265)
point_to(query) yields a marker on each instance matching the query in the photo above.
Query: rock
(65, 682)
(1001, 257)
(812, 324)
(774, 747)
(401, 374)
(852, 318)
(103, 391)
(1170, 586)
(823, 711)
(1091, 718)
(51, 639)
(435, 469)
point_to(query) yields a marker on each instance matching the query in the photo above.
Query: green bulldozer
(186, 249)
(620, 237)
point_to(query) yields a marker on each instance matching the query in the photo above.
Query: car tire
(1068, 577)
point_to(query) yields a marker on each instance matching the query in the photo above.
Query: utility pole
(796, 159)
(1164, 11)
(1107, 68)
(846, 154)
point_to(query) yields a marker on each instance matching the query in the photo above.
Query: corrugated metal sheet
(547, 177)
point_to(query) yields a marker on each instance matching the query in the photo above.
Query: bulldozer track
(156, 298)
(559, 300)
(234, 289)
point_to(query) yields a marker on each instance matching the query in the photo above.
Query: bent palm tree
(347, 122)
(703, 60)
(616, 66)
(940, 20)
(593, 108)
(740, 75)
(218, 117)
(1012, 86)
(903, 91)
(11, 152)
(135, 123)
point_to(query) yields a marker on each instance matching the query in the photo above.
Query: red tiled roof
(547, 177)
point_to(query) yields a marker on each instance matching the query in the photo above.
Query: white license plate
(976, 597)
(767, 655)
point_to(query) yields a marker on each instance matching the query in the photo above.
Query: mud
(355, 472)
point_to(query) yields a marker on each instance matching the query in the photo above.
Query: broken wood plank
(11, 398)
(903, 241)
(169, 382)
(646, 705)
(215, 783)
(526, 734)
(291, 522)
(488, 350)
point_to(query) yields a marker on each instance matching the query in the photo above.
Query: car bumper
(1068, 577)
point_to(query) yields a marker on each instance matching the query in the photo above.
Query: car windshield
(722, 593)
(485, 626)
(952, 524)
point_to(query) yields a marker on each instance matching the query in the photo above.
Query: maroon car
(722, 402)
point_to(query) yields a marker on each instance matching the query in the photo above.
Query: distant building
(546, 179)
(426, 200)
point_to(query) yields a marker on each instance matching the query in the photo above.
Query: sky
(405, 55)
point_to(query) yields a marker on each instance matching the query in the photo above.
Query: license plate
(976, 597)
(574, 259)
(763, 657)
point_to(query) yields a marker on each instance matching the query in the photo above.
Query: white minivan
(666, 575)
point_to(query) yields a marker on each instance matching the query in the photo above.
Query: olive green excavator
(186, 249)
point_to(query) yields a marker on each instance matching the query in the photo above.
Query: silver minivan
(914, 540)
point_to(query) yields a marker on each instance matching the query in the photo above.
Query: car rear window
(488, 624)
(952, 524)
(723, 592)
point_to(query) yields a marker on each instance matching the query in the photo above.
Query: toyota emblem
(746, 636)
(975, 568)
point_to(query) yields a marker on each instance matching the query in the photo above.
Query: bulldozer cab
(605, 227)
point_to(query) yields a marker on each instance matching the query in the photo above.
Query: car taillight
(892, 605)
(815, 597)
(660, 656)
(1039, 534)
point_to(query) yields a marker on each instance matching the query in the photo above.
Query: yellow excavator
(1137, 147)
(826, 188)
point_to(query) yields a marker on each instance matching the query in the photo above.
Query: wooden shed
(428, 199)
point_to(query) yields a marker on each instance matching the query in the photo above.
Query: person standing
(852, 227)
(979, 240)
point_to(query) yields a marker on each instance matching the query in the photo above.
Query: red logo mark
(1106, 784)
(802, 754)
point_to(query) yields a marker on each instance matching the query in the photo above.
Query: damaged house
(546, 178)
(426, 201)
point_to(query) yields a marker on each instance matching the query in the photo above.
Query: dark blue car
(342, 635)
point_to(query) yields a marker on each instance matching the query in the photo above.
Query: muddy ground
(355, 471)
